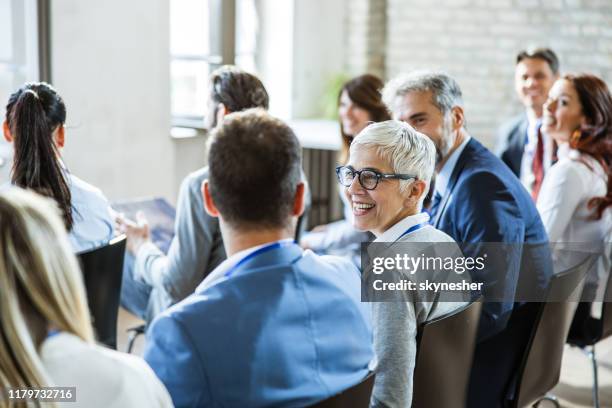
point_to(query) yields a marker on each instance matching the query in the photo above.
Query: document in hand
(159, 213)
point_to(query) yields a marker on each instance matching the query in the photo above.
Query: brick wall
(476, 41)
(366, 31)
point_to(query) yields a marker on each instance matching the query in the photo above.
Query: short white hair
(406, 150)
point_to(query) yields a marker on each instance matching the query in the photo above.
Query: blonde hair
(40, 286)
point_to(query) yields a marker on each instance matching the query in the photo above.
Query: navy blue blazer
(486, 203)
(286, 328)
(511, 142)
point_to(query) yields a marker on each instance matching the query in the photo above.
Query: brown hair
(595, 137)
(237, 89)
(545, 54)
(365, 92)
(255, 167)
(33, 113)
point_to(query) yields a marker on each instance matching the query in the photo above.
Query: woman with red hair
(576, 193)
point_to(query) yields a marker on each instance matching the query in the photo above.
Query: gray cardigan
(395, 328)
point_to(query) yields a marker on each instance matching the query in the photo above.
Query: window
(205, 34)
(22, 26)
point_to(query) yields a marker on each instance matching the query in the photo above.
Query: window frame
(222, 34)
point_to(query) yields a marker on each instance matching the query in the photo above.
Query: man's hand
(137, 232)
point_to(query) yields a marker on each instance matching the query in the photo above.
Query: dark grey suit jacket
(511, 142)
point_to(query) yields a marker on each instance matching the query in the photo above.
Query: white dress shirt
(103, 378)
(566, 190)
(93, 224)
(563, 205)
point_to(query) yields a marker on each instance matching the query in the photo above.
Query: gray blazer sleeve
(195, 250)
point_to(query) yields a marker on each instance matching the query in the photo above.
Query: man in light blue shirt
(273, 324)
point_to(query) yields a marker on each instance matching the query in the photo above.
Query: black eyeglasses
(368, 178)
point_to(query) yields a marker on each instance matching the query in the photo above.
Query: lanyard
(52, 333)
(413, 228)
(254, 254)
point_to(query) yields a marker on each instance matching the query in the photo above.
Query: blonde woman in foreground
(46, 337)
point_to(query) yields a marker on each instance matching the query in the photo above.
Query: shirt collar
(218, 274)
(563, 150)
(395, 232)
(445, 173)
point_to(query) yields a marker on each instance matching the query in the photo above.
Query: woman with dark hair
(359, 103)
(35, 117)
(576, 194)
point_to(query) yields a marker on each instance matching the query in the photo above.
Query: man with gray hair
(385, 181)
(478, 200)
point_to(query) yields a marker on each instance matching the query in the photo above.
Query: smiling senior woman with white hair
(386, 180)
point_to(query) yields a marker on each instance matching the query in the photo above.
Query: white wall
(110, 62)
(318, 53)
(300, 49)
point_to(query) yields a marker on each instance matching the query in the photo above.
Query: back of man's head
(255, 168)
(237, 89)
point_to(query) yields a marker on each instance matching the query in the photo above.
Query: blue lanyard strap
(413, 229)
(52, 333)
(254, 254)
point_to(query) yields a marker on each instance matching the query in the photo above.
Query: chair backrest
(606, 311)
(541, 363)
(358, 396)
(102, 268)
(445, 348)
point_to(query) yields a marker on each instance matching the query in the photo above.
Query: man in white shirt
(520, 144)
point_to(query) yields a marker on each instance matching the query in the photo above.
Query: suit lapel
(461, 162)
(518, 142)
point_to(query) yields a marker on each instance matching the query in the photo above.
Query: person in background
(273, 325)
(478, 200)
(46, 337)
(153, 281)
(576, 195)
(35, 118)
(359, 103)
(520, 143)
(385, 181)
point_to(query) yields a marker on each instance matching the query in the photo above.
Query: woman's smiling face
(379, 209)
(562, 111)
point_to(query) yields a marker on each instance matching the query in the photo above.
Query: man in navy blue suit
(273, 325)
(478, 200)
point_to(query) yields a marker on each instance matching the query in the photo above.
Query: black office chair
(445, 347)
(540, 367)
(102, 268)
(358, 396)
(587, 331)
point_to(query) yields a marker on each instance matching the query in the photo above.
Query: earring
(576, 136)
